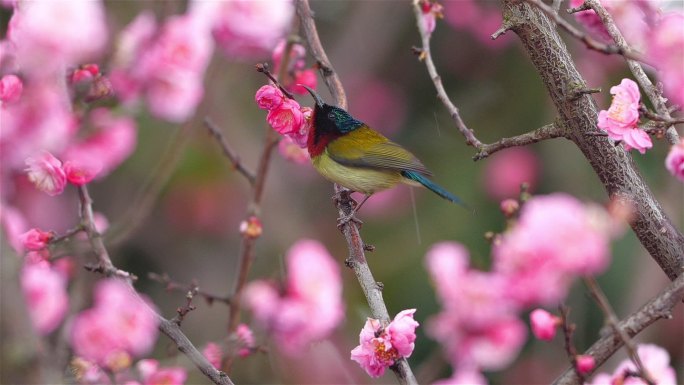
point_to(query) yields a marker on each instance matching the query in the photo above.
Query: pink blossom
(311, 305)
(446, 260)
(119, 321)
(509, 207)
(300, 135)
(50, 34)
(113, 142)
(621, 119)
(213, 353)
(306, 77)
(85, 73)
(246, 339)
(430, 13)
(245, 29)
(269, 97)
(40, 121)
(544, 324)
(46, 296)
(541, 255)
(82, 170)
(35, 239)
(380, 347)
(11, 88)
(152, 374)
(675, 160)
(297, 55)
(666, 50)
(585, 363)
(45, 171)
(292, 151)
(507, 170)
(591, 21)
(286, 118)
(656, 361)
(88, 373)
(624, 109)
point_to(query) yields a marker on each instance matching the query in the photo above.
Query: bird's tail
(434, 187)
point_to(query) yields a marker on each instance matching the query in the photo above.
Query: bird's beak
(317, 97)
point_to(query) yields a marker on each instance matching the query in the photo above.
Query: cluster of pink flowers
(45, 291)
(285, 115)
(380, 346)
(147, 372)
(120, 325)
(245, 29)
(666, 50)
(296, 67)
(656, 361)
(621, 120)
(675, 160)
(534, 263)
(166, 64)
(313, 291)
(49, 175)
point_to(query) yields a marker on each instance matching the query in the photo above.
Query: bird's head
(329, 123)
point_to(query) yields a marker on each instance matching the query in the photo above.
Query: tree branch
(357, 258)
(548, 131)
(228, 151)
(426, 56)
(653, 93)
(613, 165)
(612, 320)
(657, 308)
(588, 41)
(169, 328)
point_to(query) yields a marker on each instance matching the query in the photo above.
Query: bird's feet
(343, 220)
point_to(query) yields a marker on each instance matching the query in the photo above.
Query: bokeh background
(191, 230)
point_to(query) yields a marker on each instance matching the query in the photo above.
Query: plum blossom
(11, 88)
(269, 97)
(245, 29)
(656, 361)
(666, 50)
(585, 363)
(544, 324)
(245, 338)
(381, 346)
(507, 170)
(213, 353)
(46, 173)
(80, 171)
(119, 322)
(45, 291)
(310, 306)
(35, 239)
(541, 255)
(152, 374)
(675, 160)
(478, 325)
(431, 11)
(48, 35)
(286, 118)
(621, 120)
(293, 151)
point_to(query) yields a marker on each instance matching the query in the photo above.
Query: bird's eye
(331, 115)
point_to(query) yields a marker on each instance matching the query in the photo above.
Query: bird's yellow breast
(363, 180)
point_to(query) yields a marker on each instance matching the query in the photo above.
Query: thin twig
(653, 93)
(228, 151)
(357, 258)
(169, 328)
(590, 42)
(568, 330)
(67, 235)
(437, 80)
(657, 308)
(612, 321)
(170, 284)
(548, 131)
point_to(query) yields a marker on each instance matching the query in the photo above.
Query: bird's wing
(365, 147)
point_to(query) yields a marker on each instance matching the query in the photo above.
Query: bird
(348, 152)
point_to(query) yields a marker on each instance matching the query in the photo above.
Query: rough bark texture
(613, 165)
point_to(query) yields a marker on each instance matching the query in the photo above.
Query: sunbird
(348, 152)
